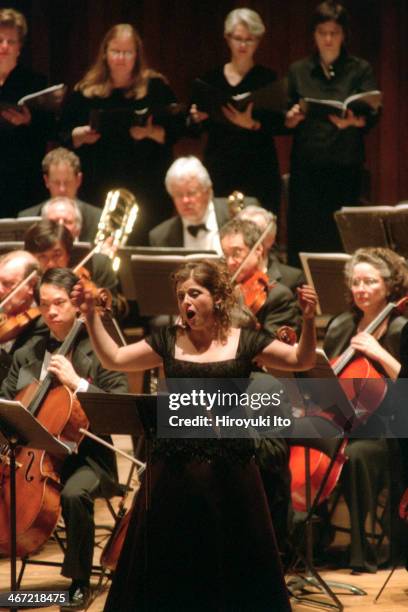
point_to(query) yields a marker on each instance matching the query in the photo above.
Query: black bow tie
(53, 344)
(194, 229)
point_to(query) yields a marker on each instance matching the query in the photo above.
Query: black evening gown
(241, 159)
(207, 542)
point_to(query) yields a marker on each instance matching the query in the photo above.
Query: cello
(363, 384)
(37, 473)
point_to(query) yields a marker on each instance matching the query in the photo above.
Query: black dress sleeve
(162, 341)
(252, 342)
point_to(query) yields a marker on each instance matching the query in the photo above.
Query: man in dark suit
(279, 306)
(91, 472)
(199, 215)
(277, 271)
(14, 268)
(52, 245)
(63, 177)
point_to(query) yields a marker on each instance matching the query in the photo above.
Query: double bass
(37, 473)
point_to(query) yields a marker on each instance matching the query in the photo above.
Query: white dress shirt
(206, 240)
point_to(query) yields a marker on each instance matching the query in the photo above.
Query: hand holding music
(294, 116)
(241, 119)
(150, 130)
(84, 134)
(17, 117)
(307, 299)
(350, 120)
(63, 369)
(366, 343)
(196, 115)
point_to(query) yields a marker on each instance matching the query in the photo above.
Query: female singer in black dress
(240, 152)
(327, 153)
(136, 157)
(374, 276)
(206, 542)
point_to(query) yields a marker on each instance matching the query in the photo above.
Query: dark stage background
(183, 38)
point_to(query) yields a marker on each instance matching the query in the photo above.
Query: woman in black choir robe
(23, 134)
(206, 541)
(240, 152)
(327, 152)
(374, 277)
(121, 153)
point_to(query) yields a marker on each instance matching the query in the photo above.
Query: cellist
(91, 473)
(374, 277)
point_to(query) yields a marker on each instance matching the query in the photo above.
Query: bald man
(15, 267)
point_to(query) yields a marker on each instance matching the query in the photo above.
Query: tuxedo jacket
(170, 232)
(26, 366)
(281, 308)
(287, 275)
(90, 218)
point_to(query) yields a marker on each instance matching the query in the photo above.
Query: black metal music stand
(19, 427)
(122, 414)
(330, 398)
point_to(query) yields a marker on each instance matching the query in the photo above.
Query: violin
(12, 325)
(255, 291)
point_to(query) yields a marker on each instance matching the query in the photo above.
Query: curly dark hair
(392, 267)
(215, 277)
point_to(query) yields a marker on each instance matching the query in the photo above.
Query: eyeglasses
(191, 194)
(116, 53)
(366, 282)
(9, 41)
(247, 42)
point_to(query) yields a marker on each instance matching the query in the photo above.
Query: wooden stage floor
(393, 599)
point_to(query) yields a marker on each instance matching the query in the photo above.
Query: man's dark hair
(249, 230)
(45, 234)
(63, 278)
(331, 11)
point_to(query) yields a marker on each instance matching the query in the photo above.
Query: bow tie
(52, 344)
(194, 229)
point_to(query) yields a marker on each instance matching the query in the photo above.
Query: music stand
(130, 286)
(325, 273)
(18, 427)
(363, 226)
(7, 246)
(13, 230)
(152, 285)
(332, 400)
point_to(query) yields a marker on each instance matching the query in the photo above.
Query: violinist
(52, 245)
(374, 277)
(20, 316)
(91, 473)
(289, 276)
(277, 305)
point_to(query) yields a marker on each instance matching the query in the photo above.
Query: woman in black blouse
(240, 153)
(206, 542)
(23, 134)
(115, 150)
(327, 153)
